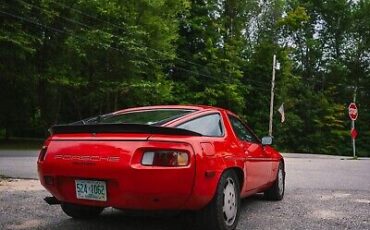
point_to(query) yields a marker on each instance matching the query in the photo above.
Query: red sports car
(160, 158)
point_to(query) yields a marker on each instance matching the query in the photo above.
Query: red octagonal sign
(353, 111)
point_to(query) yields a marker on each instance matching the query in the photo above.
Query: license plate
(91, 190)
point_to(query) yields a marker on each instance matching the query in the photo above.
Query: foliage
(65, 60)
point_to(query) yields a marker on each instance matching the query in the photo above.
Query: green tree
(211, 36)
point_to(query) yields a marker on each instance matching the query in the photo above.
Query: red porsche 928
(197, 158)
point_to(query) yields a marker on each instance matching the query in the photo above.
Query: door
(257, 160)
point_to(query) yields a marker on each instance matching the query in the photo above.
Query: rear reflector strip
(43, 153)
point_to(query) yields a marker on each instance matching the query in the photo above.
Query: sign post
(275, 66)
(353, 114)
(272, 94)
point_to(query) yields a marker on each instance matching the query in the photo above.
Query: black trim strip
(120, 128)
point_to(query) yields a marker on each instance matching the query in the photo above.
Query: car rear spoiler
(119, 128)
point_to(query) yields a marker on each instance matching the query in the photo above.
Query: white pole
(353, 141)
(272, 94)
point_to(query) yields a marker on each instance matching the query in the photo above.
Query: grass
(353, 158)
(19, 144)
(3, 178)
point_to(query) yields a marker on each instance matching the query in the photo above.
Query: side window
(241, 131)
(209, 125)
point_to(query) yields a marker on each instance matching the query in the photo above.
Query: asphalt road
(19, 163)
(322, 192)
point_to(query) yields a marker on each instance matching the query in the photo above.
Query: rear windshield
(148, 117)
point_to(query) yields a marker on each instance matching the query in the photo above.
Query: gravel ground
(323, 193)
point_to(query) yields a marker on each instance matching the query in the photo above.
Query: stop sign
(353, 111)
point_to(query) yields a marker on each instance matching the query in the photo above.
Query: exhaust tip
(51, 200)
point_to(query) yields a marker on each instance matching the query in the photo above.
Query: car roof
(184, 107)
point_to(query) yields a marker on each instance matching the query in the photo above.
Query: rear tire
(276, 192)
(222, 213)
(81, 211)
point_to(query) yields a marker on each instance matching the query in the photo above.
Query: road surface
(322, 192)
(19, 163)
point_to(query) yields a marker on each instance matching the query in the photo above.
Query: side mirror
(266, 140)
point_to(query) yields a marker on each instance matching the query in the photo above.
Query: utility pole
(272, 94)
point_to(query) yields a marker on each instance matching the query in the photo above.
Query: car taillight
(165, 158)
(43, 153)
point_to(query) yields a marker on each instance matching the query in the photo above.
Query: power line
(113, 24)
(67, 33)
(90, 27)
(33, 22)
(87, 15)
(67, 19)
(103, 44)
(258, 84)
(262, 84)
(108, 46)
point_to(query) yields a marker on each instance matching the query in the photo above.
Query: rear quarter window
(208, 125)
(241, 130)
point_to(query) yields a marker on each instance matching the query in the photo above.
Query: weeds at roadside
(4, 179)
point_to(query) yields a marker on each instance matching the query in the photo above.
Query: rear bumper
(129, 184)
(147, 189)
